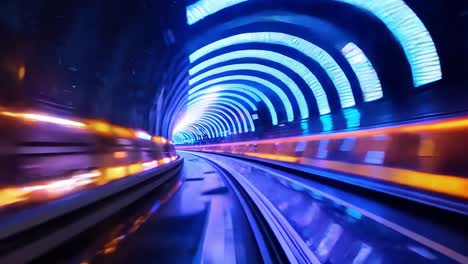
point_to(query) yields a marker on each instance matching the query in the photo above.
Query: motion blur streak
(445, 125)
(445, 184)
(44, 118)
(375, 153)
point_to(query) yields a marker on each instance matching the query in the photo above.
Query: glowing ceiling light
(294, 65)
(273, 87)
(412, 35)
(335, 73)
(229, 88)
(239, 108)
(260, 94)
(203, 8)
(227, 94)
(365, 72)
(221, 127)
(215, 128)
(408, 29)
(222, 109)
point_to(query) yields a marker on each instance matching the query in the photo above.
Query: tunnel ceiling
(312, 66)
(210, 71)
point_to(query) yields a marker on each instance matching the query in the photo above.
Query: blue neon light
(365, 72)
(226, 94)
(218, 115)
(203, 8)
(254, 67)
(412, 35)
(294, 65)
(216, 128)
(226, 109)
(327, 122)
(312, 51)
(208, 129)
(202, 130)
(261, 81)
(251, 89)
(218, 119)
(353, 117)
(228, 88)
(240, 109)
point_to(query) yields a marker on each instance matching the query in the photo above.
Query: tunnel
(233, 131)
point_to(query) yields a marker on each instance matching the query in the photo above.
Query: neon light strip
(204, 8)
(215, 116)
(214, 126)
(260, 94)
(294, 65)
(222, 127)
(241, 110)
(208, 130)
(225, 94)
(312, 51)
(273, 87)
(412, 35)
(365, 72)
(230, 88)
(226, 109)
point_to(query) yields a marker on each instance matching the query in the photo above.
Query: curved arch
(225, 112)
(214, 126)
(188, 135)
(251, 91)
(203, 8)
(238, 107)
(408, 29)
(412, 35)
(273, 87)
(207, 129)
(202, 132)
(294, 65)
(325, 60)
(219, 120)
(226, 94)
(195, 133)
(365, 72)
(223, 88)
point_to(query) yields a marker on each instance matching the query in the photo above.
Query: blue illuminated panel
(216, 114)
(327, 122)
(294, 65)
(226, 111)
(219, 120)
(204, 8)
(228, 94)
(211, 123)
(353, 117)
(412, 35)
(247, 89)
(365, 72)
(207, 128)
(312, 51)
(284, 98)
(241, 110)
(407, 28)
(228, 88)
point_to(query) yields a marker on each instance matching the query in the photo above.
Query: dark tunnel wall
(93, 59)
